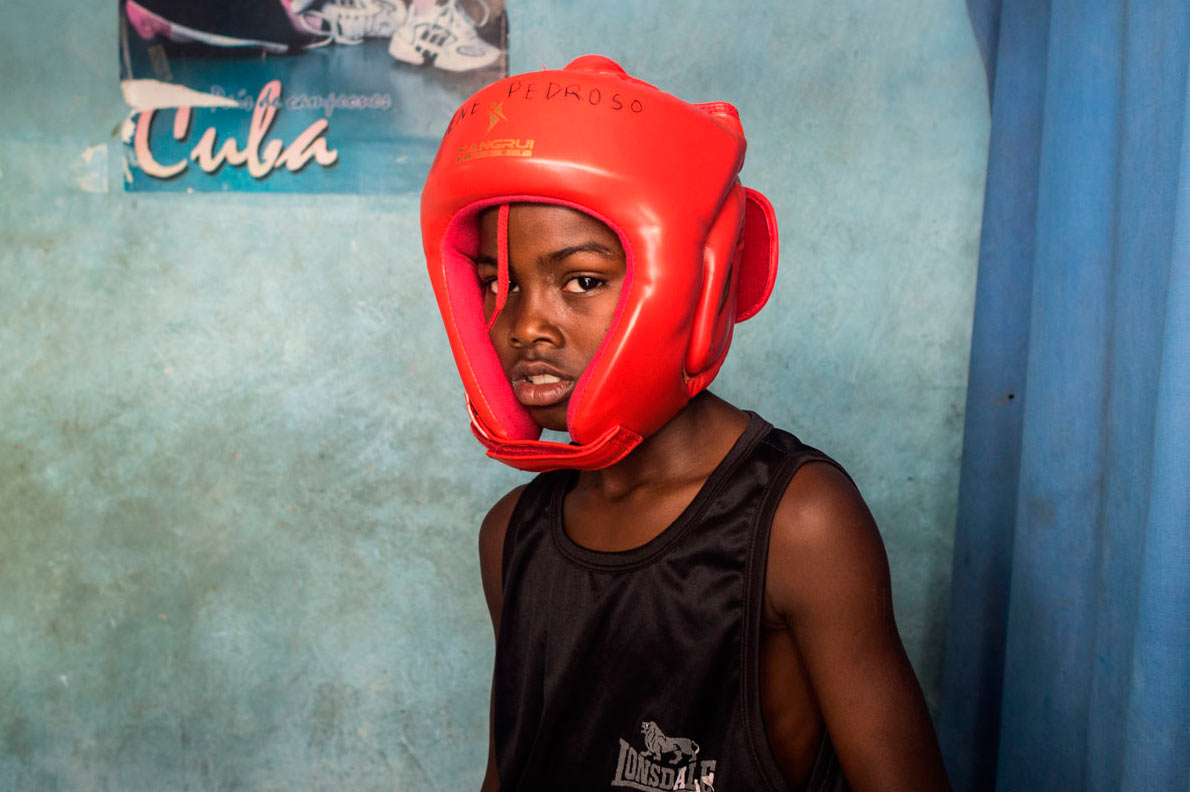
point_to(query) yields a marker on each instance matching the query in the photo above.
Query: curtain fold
(1069, 632)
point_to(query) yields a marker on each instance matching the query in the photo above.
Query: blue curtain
(1068, 645)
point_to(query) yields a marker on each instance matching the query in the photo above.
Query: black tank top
(639, 669)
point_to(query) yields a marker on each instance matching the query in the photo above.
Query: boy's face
(565, 272)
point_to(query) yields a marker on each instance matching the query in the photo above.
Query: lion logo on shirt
(657, 744)
(666, 764)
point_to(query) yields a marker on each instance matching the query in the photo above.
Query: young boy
(686, 598)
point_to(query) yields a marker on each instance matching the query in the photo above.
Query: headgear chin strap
(701, 250)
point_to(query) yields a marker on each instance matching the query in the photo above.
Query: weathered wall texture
(238, 500)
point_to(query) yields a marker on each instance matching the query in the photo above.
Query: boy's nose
(533, 320)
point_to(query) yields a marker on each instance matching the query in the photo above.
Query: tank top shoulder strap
(781, 455)
(531, 511)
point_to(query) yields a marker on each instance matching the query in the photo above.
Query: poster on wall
(341, 96)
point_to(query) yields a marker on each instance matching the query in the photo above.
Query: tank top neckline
(641, 555)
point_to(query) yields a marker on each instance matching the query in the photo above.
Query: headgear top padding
(662, 173)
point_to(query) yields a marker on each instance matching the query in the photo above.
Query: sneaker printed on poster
(442, 35)
(439, 33)
(420, 32)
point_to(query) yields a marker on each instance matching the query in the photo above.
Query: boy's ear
(758, 255)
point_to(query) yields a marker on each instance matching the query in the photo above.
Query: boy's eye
(493, 285)
(582, 283)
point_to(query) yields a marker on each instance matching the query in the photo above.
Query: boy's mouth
(538, 384)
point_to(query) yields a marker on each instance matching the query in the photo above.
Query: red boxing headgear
(701, 250)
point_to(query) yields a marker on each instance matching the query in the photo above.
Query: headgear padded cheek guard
(701, 250)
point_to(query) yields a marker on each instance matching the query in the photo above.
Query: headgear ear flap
(758, 255)
(710, 332)
(663, 174)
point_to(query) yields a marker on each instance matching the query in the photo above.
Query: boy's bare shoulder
(824, 542)
(491, 549)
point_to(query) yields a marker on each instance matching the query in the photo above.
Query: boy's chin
(552, 417)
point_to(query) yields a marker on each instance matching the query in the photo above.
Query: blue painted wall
(238, 501)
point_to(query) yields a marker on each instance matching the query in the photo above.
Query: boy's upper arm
(491, 559)
(828, 579)
(491, 551)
